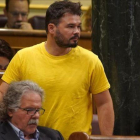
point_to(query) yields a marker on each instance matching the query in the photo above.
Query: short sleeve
(12, 72)
(99, 81)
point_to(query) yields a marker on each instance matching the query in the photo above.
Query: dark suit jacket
(7, 133)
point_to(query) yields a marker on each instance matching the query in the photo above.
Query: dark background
(116, 40)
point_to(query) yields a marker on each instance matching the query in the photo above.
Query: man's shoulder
(5, 126)
(85, 51)
(85, 54)
(32, 48)
(51, 133)
(46, 130)
(42, 128)
(7, 132)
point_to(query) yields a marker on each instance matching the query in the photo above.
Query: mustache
(17, 24)
(18, 21)
(75, 36)
(33, 121)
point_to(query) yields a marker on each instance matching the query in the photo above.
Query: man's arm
(105, 112)
(3, 89)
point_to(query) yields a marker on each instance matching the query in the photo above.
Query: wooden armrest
(79, 136)
(84, 136)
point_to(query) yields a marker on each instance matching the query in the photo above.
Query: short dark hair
(58, 9)
(5, 50)
(7, 3)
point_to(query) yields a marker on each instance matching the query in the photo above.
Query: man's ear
(10, 112)
(51, 28)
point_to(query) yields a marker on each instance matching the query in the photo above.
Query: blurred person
(17, 12)
(6, 54)
(69, 74)
(87, 20)
(20, 111)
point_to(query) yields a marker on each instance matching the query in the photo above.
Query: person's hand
(24, 26)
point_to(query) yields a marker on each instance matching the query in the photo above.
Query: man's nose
(77, 30)
(19, 17)
(36, 115)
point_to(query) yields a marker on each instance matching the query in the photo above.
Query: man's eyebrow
(73, 24)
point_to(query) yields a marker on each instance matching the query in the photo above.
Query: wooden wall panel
(20, 39)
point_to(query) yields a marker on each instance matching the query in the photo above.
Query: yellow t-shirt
(67, 80)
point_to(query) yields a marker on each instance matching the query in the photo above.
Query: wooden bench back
(84, 136)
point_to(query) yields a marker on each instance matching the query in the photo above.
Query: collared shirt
(20, 134)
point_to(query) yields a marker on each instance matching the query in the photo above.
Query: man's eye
(29, 109)
(15, 14)
(24, 14)
(71, 26)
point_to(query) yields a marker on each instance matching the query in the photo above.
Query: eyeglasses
(16, 14)
(32, 111)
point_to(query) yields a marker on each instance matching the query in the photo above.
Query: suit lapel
(7, 132)
(43, 137)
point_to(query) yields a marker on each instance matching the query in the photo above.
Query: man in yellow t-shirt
(69, 74)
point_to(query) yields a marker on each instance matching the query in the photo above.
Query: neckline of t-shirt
(57, 57)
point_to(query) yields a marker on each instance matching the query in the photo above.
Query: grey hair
(12, 98)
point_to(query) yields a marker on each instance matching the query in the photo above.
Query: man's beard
(59, 39)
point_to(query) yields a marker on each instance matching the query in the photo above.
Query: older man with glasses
(16, 12)
(20, 111)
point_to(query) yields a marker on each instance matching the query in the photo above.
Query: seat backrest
(79, 136)
(37, 22)
(3, 21)
(95, 125)
(84, 136)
